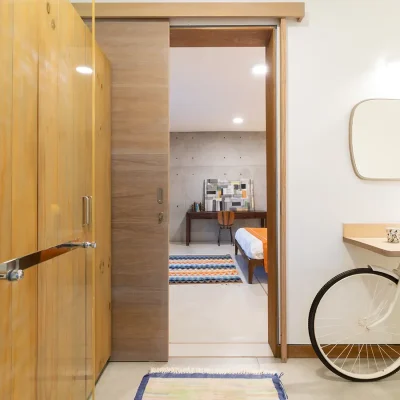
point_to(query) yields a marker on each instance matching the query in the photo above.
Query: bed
(251, 248)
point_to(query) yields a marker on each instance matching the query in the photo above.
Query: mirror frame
(353, 161)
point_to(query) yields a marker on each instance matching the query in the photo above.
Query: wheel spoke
(347, 355)
(355, 362)
(383, 358)
(392, 349)
(385, 352)
(345, 343)
(376, 364)
(341, 353)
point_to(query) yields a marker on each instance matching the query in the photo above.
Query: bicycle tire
(313, 311)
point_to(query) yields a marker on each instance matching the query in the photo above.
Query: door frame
(281, 11)
(263, 37)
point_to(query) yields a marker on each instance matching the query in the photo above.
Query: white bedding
(252, 246)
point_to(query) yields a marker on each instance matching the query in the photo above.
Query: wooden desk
(262, 215)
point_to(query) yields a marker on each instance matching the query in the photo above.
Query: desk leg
(188, 223)
(263, 222)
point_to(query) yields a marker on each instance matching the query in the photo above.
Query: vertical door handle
(160, 195)
(85, 210)
(90, 210)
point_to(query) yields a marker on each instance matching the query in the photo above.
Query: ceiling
(209, 86)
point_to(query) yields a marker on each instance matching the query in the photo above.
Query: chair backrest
(226, 218)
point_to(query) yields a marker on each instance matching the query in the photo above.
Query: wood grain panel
(143, 273)
(6, 102)
(139, 321)
(61, 319)
(24, 148)
(5, 347)
(24, 197)
(80, 111)
(49, 58)
(174, 10)
(378, 245)
(367, 230)
(24, 340)
(6, 56)
(68, 176)
(220, 36)
(65, 154)
(103, 212)
(88, 231)
(272, 206)
(138, 53)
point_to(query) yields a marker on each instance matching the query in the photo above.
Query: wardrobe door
(64, 177)
(103, 211)
(6, 73)
(18, 195)
(138, 52)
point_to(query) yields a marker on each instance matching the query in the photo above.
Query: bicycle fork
(396, 273)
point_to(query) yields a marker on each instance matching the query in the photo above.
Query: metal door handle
(160, 217)
(85, 211)
(160, 195)
(13, 270)
(89, 213)
(85, 245)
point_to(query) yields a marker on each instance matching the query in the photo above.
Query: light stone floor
(303, 379)
(197, 316)
(219, 320)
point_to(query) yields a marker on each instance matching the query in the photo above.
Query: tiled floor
(207, 313)
(219, 320)
(304, 379)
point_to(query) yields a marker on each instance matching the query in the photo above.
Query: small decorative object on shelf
(197, 207)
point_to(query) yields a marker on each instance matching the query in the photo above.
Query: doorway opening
(223, 188)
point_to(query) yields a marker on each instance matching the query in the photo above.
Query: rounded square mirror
(375, 139)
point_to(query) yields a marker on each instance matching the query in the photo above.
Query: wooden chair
(225, 220)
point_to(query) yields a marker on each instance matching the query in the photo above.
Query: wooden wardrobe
(50, 157)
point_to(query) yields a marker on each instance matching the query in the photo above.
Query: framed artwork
(228, 195)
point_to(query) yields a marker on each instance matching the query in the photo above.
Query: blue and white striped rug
(203, 269)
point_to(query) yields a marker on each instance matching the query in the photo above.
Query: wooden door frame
(282, 11)
(263, 37)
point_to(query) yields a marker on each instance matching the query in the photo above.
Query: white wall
(344, 51)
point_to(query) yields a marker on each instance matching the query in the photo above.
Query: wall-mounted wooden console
(371, 237)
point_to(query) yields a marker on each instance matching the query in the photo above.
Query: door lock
(160, 217)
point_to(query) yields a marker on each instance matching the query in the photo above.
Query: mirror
(375, 139)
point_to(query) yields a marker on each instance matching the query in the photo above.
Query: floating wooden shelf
(371, 237)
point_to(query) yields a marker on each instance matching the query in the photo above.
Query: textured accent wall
(196, 156)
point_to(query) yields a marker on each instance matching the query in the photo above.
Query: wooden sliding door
(138, 53)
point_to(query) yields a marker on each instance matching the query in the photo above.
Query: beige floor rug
(192, 384)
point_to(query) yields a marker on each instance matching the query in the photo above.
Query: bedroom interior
(218, 199)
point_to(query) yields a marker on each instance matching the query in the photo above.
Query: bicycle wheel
(339, 325)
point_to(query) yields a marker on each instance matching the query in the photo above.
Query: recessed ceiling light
(237, 120)
(83, 69)
(259, 69)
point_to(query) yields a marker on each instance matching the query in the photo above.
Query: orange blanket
(261, 234)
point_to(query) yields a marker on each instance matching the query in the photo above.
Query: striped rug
(193, 384)
(203, 269)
